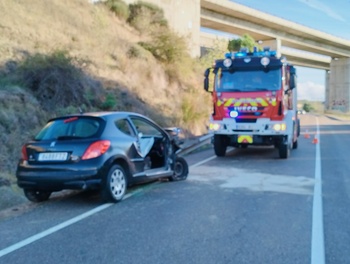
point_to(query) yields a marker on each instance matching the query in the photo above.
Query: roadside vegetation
(73, 56)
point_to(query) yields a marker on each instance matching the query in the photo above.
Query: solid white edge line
(203, 161)
(51, 230)
(69, 222)
(317, 241)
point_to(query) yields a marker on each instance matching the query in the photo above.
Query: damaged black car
(109, 151)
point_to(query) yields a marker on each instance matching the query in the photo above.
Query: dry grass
(170, 93)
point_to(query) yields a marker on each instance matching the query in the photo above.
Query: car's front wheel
(180, 170)
(36, 196)
(114, 184)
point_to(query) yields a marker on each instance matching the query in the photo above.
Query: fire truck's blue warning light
(266, 52)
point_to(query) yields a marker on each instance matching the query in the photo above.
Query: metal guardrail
(194, 144)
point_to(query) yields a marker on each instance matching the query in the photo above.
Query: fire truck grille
(246, 120)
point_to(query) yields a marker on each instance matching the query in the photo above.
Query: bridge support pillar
(274, 44)
(327, 90)
(338, 92)
(184, 18)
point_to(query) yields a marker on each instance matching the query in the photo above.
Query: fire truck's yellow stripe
(261, 101)
(229, 101)
(244, 101)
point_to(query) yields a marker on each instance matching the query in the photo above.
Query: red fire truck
(254, 102)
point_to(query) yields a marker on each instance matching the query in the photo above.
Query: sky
(329, 16)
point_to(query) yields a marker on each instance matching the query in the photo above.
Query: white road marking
(52, 230)
(317, 241)
(60, 226)
(74, 220)
(202, 162)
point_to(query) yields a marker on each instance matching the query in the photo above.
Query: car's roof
(102, 114)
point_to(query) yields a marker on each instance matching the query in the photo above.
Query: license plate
(243, 127)
(53, 156)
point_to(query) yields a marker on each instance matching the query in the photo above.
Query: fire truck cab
(254, 99)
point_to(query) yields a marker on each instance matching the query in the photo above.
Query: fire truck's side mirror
(206, 80)
(293, 78)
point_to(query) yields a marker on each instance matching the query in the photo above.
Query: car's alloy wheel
(115, 184)
(180, 170)
(37, 196)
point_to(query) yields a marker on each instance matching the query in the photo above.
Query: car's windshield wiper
(261, 89)
(231, 90)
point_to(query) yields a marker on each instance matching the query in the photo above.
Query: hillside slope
(112, 58)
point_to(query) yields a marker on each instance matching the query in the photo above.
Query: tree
(307, 107)
(246, 41)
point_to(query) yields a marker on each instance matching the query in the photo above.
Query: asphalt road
(247, 207)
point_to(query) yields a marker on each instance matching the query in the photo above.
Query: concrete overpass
(237, 19)
(296, 57)
(301, 45)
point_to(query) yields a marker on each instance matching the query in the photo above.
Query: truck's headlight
(279, 127)
(214, 126)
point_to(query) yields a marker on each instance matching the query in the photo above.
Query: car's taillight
(96, 149)
(24, 153)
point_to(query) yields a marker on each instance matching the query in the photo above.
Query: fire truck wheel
(284, 151)
(295, 144)
(220, 145)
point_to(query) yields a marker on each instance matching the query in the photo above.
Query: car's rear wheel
(180, 170)
(37, 196)
(114, 185)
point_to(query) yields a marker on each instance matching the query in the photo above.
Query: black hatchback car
(104, 150)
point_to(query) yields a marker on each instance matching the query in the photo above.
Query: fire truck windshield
(248, 80)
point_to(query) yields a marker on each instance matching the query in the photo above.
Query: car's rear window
(71, 128)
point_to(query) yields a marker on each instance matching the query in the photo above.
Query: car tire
(180, 170)
(36, 196)
(114, 185)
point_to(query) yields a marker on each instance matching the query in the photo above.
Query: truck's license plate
(243, 127)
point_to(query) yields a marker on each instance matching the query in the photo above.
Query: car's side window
(147, 129)
(124, 126)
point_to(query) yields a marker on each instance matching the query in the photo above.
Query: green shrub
(119, 7)
(109, 102)
(57, 80)
(136, 51)
(246, 41)
(146, 17)
(166, 46)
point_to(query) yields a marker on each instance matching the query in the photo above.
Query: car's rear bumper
(55, 180)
